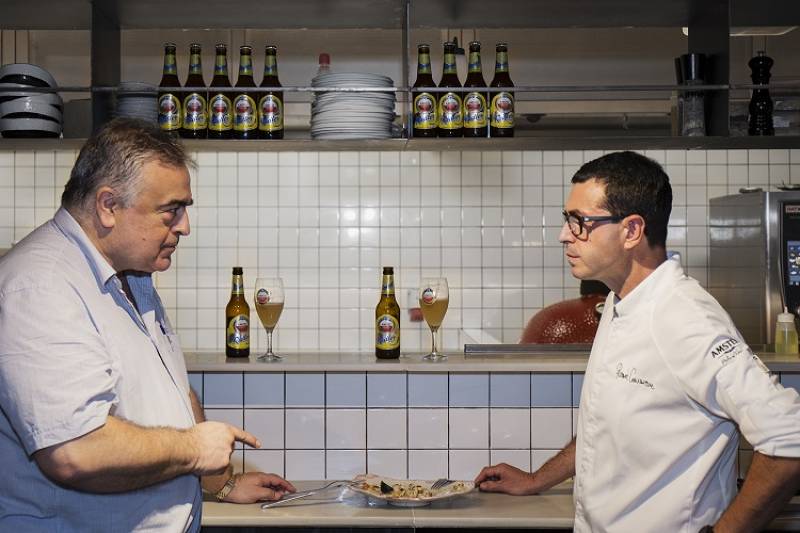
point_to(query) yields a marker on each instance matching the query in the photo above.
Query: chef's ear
(634, 230)
(105, 205)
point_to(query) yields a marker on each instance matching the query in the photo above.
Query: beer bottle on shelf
(237, 319)
(475, 120)
(195, 118)
(501, 110)
(270, 104)
(448, 110)
(424, 102)
(387, 320)
(220, 109)
(245, 113)
(169, 102)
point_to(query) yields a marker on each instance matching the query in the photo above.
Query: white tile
(511, 428)
(345, 464)
(268, 461)
(551, 427)
(427, 464)
(267, 425)
(305, 464)
(540, 457)
(346, 428)
(465, 464)
(427, 428)
(389, 463)
(469, 428)
(519, 458)
(386, 428)
(305, 428)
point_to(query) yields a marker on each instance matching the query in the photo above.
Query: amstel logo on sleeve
(194, 115)
(449, 112)
(245, 117)
(270, 113)
(169, 112)
(424, 111)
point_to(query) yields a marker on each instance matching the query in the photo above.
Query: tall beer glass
(433, 300)
(269, 298)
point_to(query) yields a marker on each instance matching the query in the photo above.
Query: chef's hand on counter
(254, 487)
(505, 478)
(511, 480)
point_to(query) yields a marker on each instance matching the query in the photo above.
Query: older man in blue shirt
(99, 430)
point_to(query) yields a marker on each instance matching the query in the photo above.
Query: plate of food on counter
(409, 492)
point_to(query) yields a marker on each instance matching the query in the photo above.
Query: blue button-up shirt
(73, 350)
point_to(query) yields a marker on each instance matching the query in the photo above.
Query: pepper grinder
(760, 122)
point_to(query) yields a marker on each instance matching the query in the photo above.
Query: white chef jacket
(668, 382)
(73, 350)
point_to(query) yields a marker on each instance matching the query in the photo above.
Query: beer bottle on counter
(169, 102)
(501, 111)
(387, 320)
(475, 120)
(245, 113)
(448, 110)
(220, 109)
(270, 104)
(424, 102)
(237, 319)
(195, 111)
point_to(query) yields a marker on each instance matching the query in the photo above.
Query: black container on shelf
(693, 113)
(760, 122)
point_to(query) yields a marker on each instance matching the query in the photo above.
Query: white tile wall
(326, 222)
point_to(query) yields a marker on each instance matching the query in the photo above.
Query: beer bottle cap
(237, 270)
(324, 59)
(388, 270)
(169, 45)
(423, 45)
(271, 47)
(475, 43)
(221, 45)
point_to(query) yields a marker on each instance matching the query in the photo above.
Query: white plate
(28, 70)
(459, 488)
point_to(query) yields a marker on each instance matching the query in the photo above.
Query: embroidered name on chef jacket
(725, 350)
(631, 377)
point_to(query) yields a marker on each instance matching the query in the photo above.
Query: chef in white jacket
(669, 381)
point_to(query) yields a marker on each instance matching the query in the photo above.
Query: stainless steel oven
(754, 259)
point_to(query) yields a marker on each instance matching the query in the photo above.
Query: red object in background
(568, 322)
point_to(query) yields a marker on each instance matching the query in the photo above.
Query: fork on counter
(441, 483)
(306, 493)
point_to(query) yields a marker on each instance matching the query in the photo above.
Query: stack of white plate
(352, 115)
(25, 113)
(136, 99)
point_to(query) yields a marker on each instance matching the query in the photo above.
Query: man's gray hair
(113, 157)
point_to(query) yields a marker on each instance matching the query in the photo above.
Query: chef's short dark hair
(114, 156)
(635, 184)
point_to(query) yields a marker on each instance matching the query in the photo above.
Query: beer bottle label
(474, 110)
(387, 285)
(238, 332)
(270, 113)
(502, 111)
(244, 113)
(170, 67)
(169, 112)
(474, 62)
(194, 112)
(501, 62)
(449, 112)
(387, 333)
(424, 111)
(424, 64)
(219, 113)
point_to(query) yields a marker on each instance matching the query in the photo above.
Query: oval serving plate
(370, 485)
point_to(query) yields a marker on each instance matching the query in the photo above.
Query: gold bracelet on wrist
(226, 488)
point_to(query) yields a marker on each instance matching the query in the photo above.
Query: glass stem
(433, 341)
(269, 342)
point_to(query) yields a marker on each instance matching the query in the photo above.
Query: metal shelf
(462, 145)
(384, 14)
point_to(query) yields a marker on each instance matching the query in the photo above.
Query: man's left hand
(253, 487)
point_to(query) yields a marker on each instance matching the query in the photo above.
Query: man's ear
(106, 206)
(634, 230)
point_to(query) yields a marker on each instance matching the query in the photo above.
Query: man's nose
(182, 227)
(566, 235)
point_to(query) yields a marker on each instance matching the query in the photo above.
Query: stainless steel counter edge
(455, 362)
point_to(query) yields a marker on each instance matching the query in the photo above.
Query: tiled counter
(335, 415)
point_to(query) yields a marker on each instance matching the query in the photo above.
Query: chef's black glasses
(577, 222)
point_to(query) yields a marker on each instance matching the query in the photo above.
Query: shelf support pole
(709, 30)
(105, 60)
